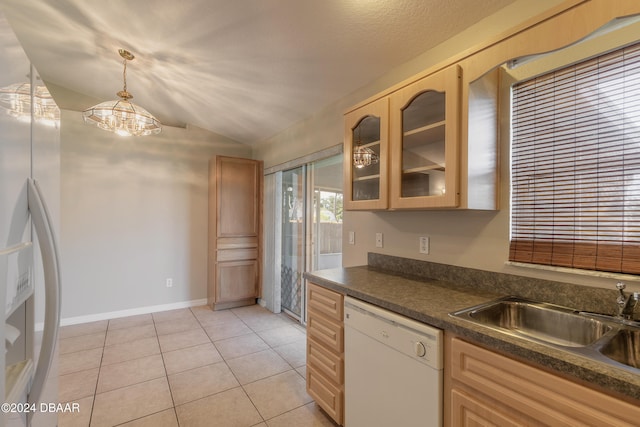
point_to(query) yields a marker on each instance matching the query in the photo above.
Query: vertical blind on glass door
(576, 165)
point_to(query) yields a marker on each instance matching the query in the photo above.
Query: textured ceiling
(245, 69)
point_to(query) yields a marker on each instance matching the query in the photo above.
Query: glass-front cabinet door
(366, 156)
(424, 142)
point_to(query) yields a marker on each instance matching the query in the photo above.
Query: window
(327, 222)
(576, 165)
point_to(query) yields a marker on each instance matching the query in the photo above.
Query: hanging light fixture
(363, 156)
(122, 116)
(16, 100)
(45, 109)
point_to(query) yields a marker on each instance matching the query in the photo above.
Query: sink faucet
(626, 303)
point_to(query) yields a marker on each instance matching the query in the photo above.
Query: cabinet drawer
(325, 361)
(324, 301)
(467, 410)
(237, 254)
(237, 242)
(550, 399)
(326, 394)
(325, 331)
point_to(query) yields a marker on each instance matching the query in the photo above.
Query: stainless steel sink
(548, 323)
(624, 347)
(600, 337)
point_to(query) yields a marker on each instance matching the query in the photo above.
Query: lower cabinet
(236, 281)
(325, 350)
(489, 389)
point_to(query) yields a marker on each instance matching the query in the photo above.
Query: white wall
(464, 238)
(134, 212)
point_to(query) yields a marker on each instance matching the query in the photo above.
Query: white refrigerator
(29, 223)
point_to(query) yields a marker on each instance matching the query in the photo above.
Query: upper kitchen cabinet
(366, 135)
(437, 134)
(425, 121)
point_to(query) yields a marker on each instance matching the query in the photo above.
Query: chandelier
(363, 156)
(122, 116)
(16, 100)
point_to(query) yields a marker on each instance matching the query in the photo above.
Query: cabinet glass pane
(366, 179)
(423, 146)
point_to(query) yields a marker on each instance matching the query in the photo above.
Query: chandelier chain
(124, 74)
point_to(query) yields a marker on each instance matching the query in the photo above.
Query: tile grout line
(95, 391)
(166, 375)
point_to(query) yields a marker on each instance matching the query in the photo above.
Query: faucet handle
(620, 286)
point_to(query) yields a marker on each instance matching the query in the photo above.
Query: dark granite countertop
(430, 301)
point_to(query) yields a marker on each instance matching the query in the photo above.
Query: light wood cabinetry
(416, 130)
(484, 388)
(425, 120)
(366, 187)
(325, 350)
(235, 232)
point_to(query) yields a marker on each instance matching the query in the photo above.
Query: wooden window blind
(576, 165)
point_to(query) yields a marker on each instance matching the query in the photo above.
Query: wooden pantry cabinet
(325, 350)
(235, 232)
(484, 388)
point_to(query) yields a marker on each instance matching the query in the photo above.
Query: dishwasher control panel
(412, 338)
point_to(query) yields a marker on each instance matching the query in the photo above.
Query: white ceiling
(245, 69)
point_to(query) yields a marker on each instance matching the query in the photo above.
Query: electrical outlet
(424, 245)
(169, 282)
(378, 240)
(352, 237)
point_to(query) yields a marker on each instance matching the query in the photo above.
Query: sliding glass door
(293, 240)
(311, 227)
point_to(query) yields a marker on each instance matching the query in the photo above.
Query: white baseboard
(130, 312)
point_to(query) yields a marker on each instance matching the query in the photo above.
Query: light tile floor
(188, 367)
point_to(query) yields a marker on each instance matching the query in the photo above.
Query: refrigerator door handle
(50, 260)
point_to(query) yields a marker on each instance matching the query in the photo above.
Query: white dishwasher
(393, 369)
